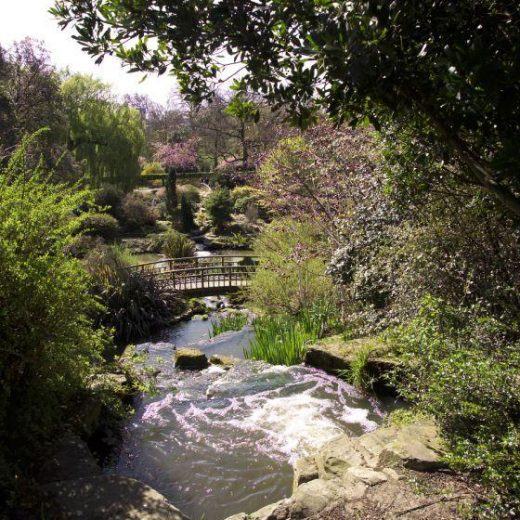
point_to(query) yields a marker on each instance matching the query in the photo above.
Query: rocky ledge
(394, 472)
(334, 354)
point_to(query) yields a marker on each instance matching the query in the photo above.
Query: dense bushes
(100, 225)
(177, 245)
(136, 213)
(190, 193)
(246, 197)
(47, 344)
(109, 199)
(463, 367)
(435, 265)
(219, 206)
(134, 305)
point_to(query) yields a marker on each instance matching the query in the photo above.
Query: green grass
(227, 323)
(358, 374)
(283, 340)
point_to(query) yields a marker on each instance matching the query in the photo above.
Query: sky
(22, 18)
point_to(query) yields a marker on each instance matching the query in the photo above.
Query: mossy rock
(190, 359)
(223, 360)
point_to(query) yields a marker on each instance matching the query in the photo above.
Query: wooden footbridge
(201, 276)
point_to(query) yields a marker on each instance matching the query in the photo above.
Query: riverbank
(396, 471)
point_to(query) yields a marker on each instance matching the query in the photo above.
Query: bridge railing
(199, 273)
(170, 264)
(205, 277)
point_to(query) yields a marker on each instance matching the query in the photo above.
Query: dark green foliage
(135, 213)
(186, 214)
(171, 193)
(447, 71)
(464, 369)
(135, 305)
(47, 344)
(109, 198)
(219, 206)
(100, 225)
(177, 245)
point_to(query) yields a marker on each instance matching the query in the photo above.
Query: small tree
(187, 221)
(219, 206)
(176, 157)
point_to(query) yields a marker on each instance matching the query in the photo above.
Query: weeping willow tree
(104, 136)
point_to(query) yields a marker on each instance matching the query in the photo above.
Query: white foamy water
(219, 442)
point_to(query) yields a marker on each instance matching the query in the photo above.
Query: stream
(219, 442)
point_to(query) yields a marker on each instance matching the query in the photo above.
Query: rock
(314, 496)
(107, 497)
(367, 476)
(223, 360)
(339, 454)
(200, 317)
(334, 353)
(416, 446)
(305, 470)
(277, 511)
(190, 359)
(70, 459)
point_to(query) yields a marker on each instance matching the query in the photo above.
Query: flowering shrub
(177, 156)
(291, 276)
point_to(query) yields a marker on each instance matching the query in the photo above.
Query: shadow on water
(220, 442)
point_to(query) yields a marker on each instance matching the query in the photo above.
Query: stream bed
(219, 442)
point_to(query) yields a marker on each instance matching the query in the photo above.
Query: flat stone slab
(106, 497)
(190, 359)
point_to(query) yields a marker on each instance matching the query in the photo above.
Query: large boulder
(416, 446)
(190, 359)
(105, 497)
(339, 454)
(314, 496)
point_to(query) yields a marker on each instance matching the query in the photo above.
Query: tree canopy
(105, 136)
(449, 70)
